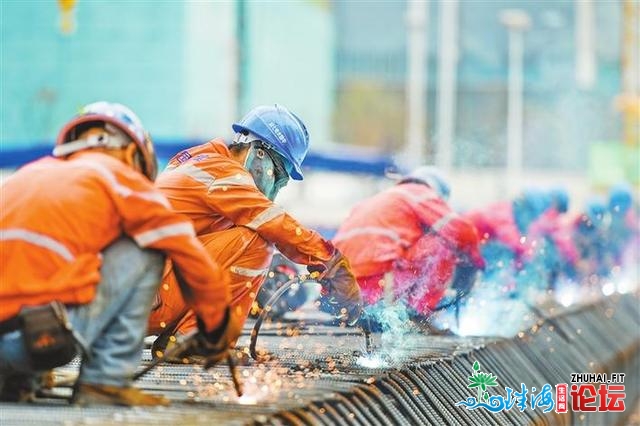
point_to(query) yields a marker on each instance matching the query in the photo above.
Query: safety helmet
(529, 206)
(430, 176)
(279, 130)
(560, 199)
(122, 125)
(536, 201)
(620, 199)
(596, 210)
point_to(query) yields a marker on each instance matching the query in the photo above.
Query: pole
(514, 108)
(585, 44)
(447, 75)
(417, 16)
(517, 22)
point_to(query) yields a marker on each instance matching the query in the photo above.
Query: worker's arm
(147, 217)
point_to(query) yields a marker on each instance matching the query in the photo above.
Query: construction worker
(86, 232)
(505, 242)
(406, 242)
(552, 234)
(228, 192)
(589, 234)
(624, 226)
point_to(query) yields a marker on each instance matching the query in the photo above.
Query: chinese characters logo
(583, 395)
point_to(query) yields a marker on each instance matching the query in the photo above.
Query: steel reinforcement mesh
(603, 337)
(315, 375)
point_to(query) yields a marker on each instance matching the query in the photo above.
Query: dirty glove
(214, 345)
(340, 287)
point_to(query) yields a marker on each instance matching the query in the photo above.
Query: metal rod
(177, 349)
(234, 374)
(366, 329)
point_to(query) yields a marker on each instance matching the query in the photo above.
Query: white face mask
(267, 170)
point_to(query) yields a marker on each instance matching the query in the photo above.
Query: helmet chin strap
(110, 137)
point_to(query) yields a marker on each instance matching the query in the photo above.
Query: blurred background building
(546, 94)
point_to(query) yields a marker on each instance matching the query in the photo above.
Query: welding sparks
(608, 288)
(373, 361)
(247, 400)
(567, 294)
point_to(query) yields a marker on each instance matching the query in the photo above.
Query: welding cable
(265, 311)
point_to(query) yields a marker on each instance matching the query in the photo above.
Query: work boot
(90, 394)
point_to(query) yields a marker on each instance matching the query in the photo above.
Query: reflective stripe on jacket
(216, 192)
(57, 215)
(381, 229)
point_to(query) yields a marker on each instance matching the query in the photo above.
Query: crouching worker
(83, 237)
(406, 242)
(227, 190)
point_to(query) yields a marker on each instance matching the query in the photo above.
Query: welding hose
(265, 311)
(365, 325)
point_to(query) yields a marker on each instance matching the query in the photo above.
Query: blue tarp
(348, 160)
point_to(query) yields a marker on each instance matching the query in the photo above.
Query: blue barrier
(347, 160)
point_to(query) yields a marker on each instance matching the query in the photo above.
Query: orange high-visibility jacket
(381, 229)
(57, 215)
(245, 259)
(217, 193)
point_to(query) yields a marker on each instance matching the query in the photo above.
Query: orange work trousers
(244, 258)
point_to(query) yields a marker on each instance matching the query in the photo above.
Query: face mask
(267, 170)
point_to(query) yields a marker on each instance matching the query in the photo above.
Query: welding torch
(189, 342)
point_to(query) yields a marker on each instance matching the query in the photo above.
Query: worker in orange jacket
(85, 232)
(406, 242)
(228, 193)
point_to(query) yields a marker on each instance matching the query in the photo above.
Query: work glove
(340, 287)
(214, 345)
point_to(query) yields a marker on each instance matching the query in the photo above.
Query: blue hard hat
(620, 199)
(537, 201)
(560, 198)
(595, 210)
(529, 206)
(280, 130)
(432, 177)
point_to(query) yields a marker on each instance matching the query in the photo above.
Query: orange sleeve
(456, 231)
(246, 206)
(147, 217)
(227, 189)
